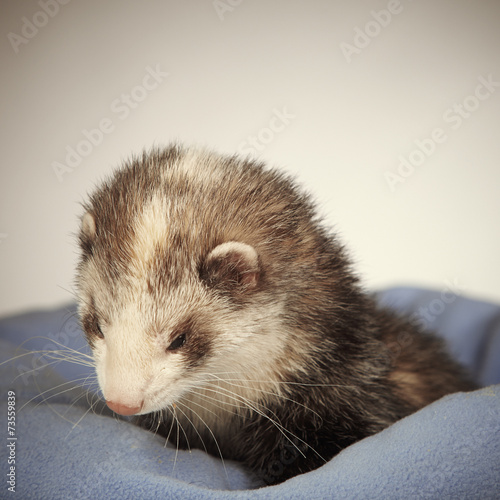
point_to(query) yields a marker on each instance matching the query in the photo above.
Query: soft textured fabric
(70, 446)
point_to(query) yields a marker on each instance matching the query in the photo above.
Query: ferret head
(178, 279)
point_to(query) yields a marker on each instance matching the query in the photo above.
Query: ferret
(224, 315)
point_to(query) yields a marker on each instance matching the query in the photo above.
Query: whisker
(281, 396)
(178, 407)
(221, 377)
(201, 439)
(171, 424)
(274, 421)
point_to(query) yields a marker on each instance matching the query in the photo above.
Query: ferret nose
(123, 409)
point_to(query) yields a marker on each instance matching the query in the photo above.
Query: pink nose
(123, 409)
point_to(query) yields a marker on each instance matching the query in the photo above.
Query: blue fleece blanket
(70, 446)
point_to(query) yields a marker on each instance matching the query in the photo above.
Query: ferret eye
(177, 343)
(98, 330)
(92, 328)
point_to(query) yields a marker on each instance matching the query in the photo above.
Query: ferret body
(226, 317)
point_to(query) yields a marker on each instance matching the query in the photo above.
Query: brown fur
(338, 371)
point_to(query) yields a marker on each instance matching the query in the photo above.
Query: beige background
(340, 93)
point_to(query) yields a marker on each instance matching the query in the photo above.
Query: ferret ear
(232, 267)
(87, 233)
